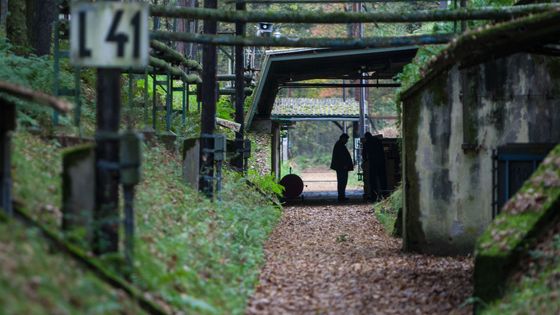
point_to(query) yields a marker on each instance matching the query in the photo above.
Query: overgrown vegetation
(534, 288)
(35, 279)
(191, 254)
(386, 211)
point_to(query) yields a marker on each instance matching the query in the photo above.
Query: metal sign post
(209, 98)
(109, 36)
(239, 94)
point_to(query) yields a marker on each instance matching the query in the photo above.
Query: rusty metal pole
(239, 93)
(209, 98)
(106, 213)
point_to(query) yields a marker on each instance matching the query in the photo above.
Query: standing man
(342, 163)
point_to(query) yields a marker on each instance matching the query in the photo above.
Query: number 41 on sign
(109, 35)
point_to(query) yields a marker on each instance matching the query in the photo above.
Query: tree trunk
(40, 16)
(3, 13)
(182, 27)
(16, 27)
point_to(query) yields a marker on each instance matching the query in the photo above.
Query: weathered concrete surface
(191, 162)
(451, 127)
(78, 190)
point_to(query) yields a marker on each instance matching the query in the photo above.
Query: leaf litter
(337, 259)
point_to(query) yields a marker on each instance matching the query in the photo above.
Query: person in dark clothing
(342, 163)
(376, 162)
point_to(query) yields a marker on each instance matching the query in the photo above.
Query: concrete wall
(451, 126)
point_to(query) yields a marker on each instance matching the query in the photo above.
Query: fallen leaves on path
(338, 260)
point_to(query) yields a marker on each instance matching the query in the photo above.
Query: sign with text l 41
(109, 34)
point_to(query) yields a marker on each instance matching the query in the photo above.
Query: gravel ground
(338, 260)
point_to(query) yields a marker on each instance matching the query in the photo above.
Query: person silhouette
(377, 176)
(342, 163)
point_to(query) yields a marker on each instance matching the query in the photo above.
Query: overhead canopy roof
(292, 65)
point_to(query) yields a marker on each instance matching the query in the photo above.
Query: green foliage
(224, 108)
(36, 170)
(195, 254)
(386, 210)
(266, 183)
(536, 294)
(33, 72)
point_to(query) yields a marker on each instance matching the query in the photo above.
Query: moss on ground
(534, 286)
(34, 279)
(522, 219)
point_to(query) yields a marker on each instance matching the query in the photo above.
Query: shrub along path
(337, 259)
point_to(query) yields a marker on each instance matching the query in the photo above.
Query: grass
(34, 279)
(386, 210)
(192, 255)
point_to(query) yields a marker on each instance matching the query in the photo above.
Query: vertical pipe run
(209, 98)
(184, 104)
(463, 4)
(128, 192)
(77, 100)
(154, 101)
(187, 96)
(7, 124)
(56, 67)
(239, 93)
(106, 214)
(146, 99)
(168, 102)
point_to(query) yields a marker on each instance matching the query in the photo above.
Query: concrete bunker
(470, 120)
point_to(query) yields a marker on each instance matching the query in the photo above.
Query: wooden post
(237, 163)
(209, 98)
(7, 125)
(106, 215)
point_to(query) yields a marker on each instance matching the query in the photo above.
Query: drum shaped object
(293, 186)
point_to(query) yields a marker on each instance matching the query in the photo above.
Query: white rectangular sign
(109, 34)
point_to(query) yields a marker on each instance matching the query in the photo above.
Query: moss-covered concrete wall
(450, 128)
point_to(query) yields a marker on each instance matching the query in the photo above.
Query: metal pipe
(366, 42)
(327, 1)
(309, 17)
(342, 85)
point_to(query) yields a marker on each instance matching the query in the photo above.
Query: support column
(169, 103)
(106, 215)
(275, 150)
(209, 98)
(7, 125)
(237, 163)
(154, 101)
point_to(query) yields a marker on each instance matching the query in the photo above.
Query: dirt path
(338, 260)
(323, 179)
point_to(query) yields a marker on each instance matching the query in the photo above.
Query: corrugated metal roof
(299, 65)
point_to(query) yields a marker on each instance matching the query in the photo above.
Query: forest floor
(337, 259)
